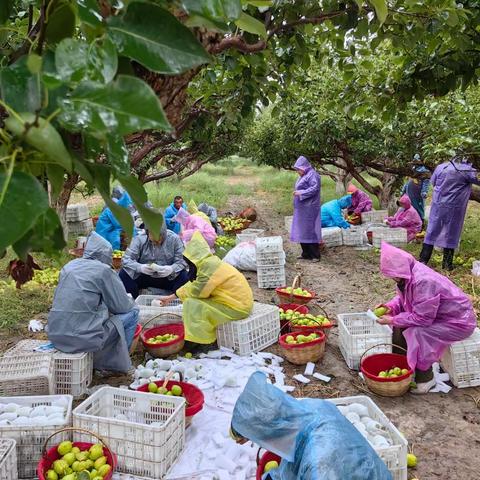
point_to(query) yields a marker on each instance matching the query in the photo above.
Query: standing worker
(218, 293)
(428, 314)
(91, 310)
(361, 202)
(306, 227)
(452, 185)
(332, 215)
(417, 187)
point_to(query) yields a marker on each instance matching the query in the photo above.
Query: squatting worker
(428, 314)
(332, 212)
(306, 226)
(452, 185)
(91, 310)
(217, 293)
(154, 263)
(361, 202)
(406, 217)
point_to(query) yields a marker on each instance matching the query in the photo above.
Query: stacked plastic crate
(78, 219)
(270, 262)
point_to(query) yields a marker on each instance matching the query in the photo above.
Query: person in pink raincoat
(193, 223)
(406, 217)
(361, 202)
(428, 314)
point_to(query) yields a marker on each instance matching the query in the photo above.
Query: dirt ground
(442, 429)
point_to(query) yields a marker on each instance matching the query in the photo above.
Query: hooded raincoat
(452, 184)
(306, 227)
(88, 300)
(406, 217)
(361, 202)
(218, 295)
(194, 210)
(314, 440)
(170, 212)
(109, 227)
(434, 311)
(195, 223)
(332, 215)
(417, 191)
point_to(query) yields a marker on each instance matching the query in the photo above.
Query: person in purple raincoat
(361, 202)
(306, 225)
(452, 184)
(428, 314)
(406, 217)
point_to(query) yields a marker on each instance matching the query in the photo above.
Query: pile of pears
(175, 390)
(167, 337)
(296, 291)
(225, 241)
(117, 254)
(291, 340)
(75, 464)
(304, 319)
(394, 372)
(232, 223)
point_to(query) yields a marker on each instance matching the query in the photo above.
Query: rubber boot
(448, 254)
(426, 253)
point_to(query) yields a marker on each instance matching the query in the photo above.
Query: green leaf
(24, 201)
(251, 25)
(155, 38)
(56, 176)
(71, 59)
(381, 9)
(19, 88)
(61, 19)
(88, 12)
(117, 154)
(103, 61)
(225, 10)
(42, 135)
(124, 106)
(6, 9)
(34, 63)
(46, 236)
(258, 3)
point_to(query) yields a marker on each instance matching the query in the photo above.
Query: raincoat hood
(302, 164)
(352, 188)
(117, 192)
(98, 248)
(345, 201)
(192, 206)
(125, 200)
(405, 202)
(395, 262)
(197, 249)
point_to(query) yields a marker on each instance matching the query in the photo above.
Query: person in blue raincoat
(171, 211)
(109, 227)
(417, 187)
(91, 310)
(331, 212)
(314, 440)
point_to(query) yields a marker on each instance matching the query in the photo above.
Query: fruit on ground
(188, 355)
(411, 460)
(380, 311)
(64, 448)
(270, 466)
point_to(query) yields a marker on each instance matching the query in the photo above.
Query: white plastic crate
(269, 244)
(72, 372)
(31, 438)
(80, 228)
(374, 216)
(258, 331)
(358, 332)
(77, 212)
(26, 375)
(271, 276)
(8, 459)
(147, 311)
(462, 361)
(270, 258)
(354, 236)
(332, 236)
(145, 430)
(288, 224)
(394, 456)
(249, 235)
(394, 236)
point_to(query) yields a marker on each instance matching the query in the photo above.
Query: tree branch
(305, 21)
(239, 44)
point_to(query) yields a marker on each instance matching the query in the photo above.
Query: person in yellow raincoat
(218, 293)
(193, 210)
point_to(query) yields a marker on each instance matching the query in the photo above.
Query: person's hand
(385, 320)
(296, 194)
(164, 301)
(147, 270)
(164, 271)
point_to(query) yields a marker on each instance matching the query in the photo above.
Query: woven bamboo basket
(326, 329)
(386, 387)
(284, 297)
(302, 353)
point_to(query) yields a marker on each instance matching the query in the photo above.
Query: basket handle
(258, 456)
(160, 315)
(325, 314)
(76, 429)
(297, 281)
(378, 345)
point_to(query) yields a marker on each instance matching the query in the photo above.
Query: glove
(147, 270)
(164, 271)
(35, 326)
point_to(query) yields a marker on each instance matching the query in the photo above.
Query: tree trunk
(60, 204)
(342, 179)
(387, 196)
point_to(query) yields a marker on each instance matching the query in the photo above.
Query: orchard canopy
(135, 91)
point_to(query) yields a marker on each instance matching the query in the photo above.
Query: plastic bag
(243, 257)
(476, 268)
(315, 441)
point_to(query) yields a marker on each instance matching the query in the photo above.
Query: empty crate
(77, 212)
(8, 459)
(354, 236)
(394, 236)
(170, 314)
(374, 216)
